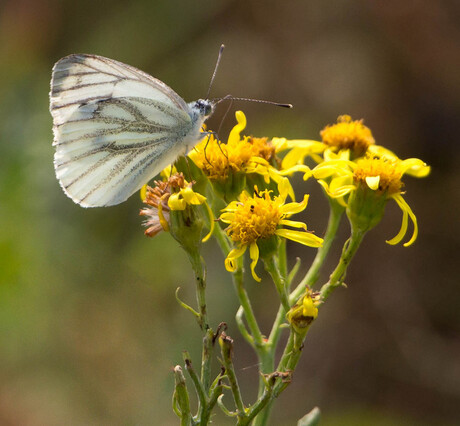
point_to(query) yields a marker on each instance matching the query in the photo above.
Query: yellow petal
(341, 183)
(343, 154)
(143, 192)
(373, 182)
(291, 159)
(308, 307)
(382, 152)
(297, 168)
(227, 217)
(176, 203)
(339, 191)
(164, 223)
(415, 167)
(211, 223)
(407, 211)
(293, 224)
(234, 136)
(284, 187)
(292, 208)
(254, 255)
(230, 264)
(280, 144)
(305, 238)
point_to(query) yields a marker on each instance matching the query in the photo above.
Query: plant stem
(226, 345)
(273, 268)
(200, 282)
(181, 397)
(349, 249)
(247, 308)
(203, 321)
(336, 211)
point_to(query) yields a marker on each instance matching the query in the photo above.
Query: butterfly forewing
(115, 127)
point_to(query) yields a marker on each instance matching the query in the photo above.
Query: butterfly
(116, 127)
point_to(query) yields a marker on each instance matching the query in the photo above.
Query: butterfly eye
(205, 107)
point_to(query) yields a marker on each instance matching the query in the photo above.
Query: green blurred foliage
(89, 327)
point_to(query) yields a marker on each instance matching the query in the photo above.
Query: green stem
(247, 308)
(226, 345)
(273, 268)
(214, 393)
(203, 321)
(290, 358)
(313, 273)
(196, 381)
(242, 327)
(237, 277)
(277, 271)
(181, 398)
(200, 282)
(222, 239)
(259, 405)
(282, 257)
(349, 249)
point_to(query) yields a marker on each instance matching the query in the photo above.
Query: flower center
(348, 134)
(389, 172)
(255, 218)
(218, 160)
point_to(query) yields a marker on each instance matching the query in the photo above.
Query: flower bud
(304, 312)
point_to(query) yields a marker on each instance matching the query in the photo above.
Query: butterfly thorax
(199, 111)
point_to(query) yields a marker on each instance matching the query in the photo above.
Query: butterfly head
(205, 107)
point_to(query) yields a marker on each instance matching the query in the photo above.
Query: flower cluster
(363, 180)
(244, 182)
(359, 174)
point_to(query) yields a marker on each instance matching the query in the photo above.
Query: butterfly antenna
(260, 101)
(215, 70)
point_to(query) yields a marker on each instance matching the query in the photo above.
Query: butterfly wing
(115, 127)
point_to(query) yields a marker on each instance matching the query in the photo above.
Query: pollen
(262, 147)
(219, 160)
(254, 218)
(379, 173)
(348, 135)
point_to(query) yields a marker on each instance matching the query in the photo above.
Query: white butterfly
(116, 127)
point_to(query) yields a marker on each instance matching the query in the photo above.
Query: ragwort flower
(349, 135)
(255, 220)
(174, 194)
(347, 139)
(227, 165)
(365, 185)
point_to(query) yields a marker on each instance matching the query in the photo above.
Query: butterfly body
(116, 127)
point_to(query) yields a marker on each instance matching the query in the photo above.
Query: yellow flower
(254, 220)
(348, 135)
(344, 140)
(368, 183)
(298, 150)
(173, 194)
(158, 212)
(241, 155)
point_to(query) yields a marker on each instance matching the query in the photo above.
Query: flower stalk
(337, 277)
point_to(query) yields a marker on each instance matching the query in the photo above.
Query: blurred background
(89, 326)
